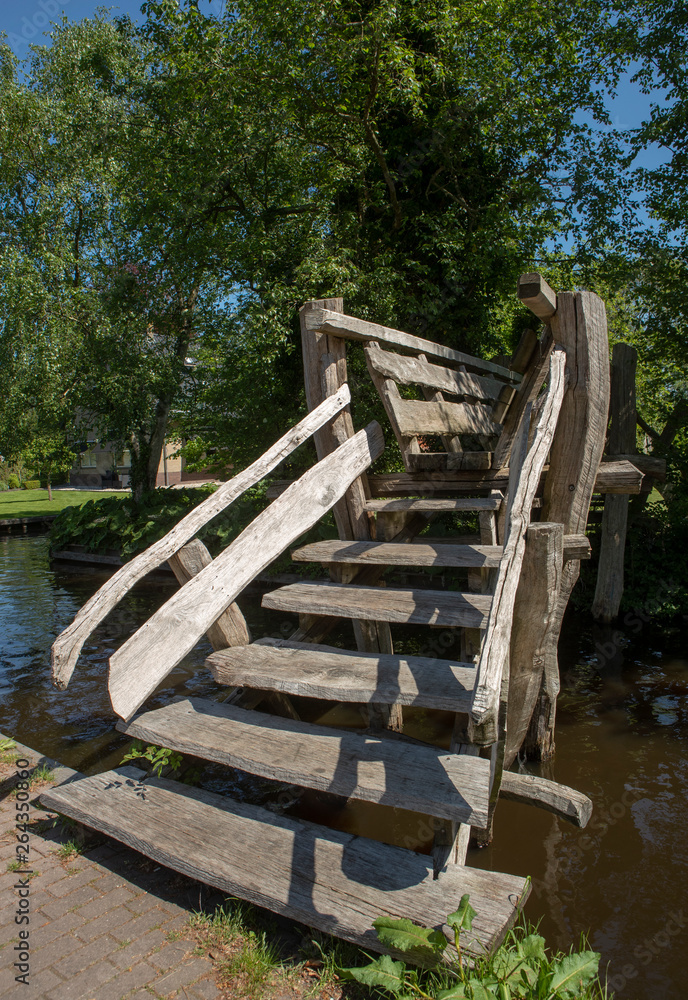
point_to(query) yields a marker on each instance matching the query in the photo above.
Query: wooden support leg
(230, 629)
(534, 608)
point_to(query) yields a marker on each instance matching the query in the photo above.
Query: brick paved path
(105, 925)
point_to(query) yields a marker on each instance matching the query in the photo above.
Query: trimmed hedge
(31, 484)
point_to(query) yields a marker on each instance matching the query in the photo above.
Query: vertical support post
(534, 608)
(622, 441)
(324, 367)
(580, 327)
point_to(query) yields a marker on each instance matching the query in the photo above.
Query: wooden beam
(156, 648)
(532, 790)
(326, 321)
(66, 648)
(408, 370)
(535, 293)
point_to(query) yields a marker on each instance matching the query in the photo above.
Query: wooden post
(580, 327)
(324, 369)
(536, 604)
(622, 441)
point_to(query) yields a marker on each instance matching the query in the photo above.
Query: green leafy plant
(13, 482)
(160, 758)
(41, 774)
(70, 849)
(31, 484)
(519, 970)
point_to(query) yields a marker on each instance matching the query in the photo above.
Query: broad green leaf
(384, 971)
(404, 935)
(533, 946)
(455, 993)
(572, 972)
(462, 918)
(478, 991)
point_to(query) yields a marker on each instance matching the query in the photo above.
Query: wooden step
(334, 881)
(314, 671)
(382, 604)
(434, 505)
(416, 777)
(420, 553)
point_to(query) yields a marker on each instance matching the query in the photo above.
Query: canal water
(622, 738)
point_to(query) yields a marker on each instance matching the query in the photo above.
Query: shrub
(3, 485)
(13, 482)
(31, 484)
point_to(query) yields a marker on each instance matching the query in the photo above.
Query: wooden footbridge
(517, 443)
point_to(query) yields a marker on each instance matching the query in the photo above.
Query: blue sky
(26, 20)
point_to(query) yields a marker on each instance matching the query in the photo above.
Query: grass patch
(32, 503)
(69, 850)
(41, 775)
(7, 756)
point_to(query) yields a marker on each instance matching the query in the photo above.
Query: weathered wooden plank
(326, 321)
(425, 551)
(622, 429)
(417, 416)
(524, 351)
(408, 370)
(435, 506)
(389, 394)
(418, 607)
(316, 671)
(534, 607)
(174, 629)
(66, 648)
(612, 477)
(230, 629)
(649, 465)
(526, 469)
(533, 790)
(335, 881)
(535, 293)
(401, 775)
(581, 327)
(448, 461)
(527, 392)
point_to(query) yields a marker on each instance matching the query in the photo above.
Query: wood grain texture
(154, 650)
(534, 608)
(335, 881)
(66, 648)
(448, 462)
(534, 292)
(230, 629)
(326, 321)
(533, 790)
(420, 778)
(417, 607)
(525, 471)
(622, 439)
(435, 506)
(407, 370)
(317, 671)
(530, 386)
(417, 416)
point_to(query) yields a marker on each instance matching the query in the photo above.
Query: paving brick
(173, 908)
(145, 901)
(47, 932)
(183, 976)
(84, 956)
(111, 880)
(55, 950)
(104, 903)
(85, 984)
(126, 956)
(63, 904)
(104, 924)
(205, 989)
(125, 982)
(72, 882)
(140, 925)
(38, 985)
(171, 955)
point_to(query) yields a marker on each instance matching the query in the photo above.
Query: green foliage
(520, 968)
(31, 484)
(160, 758)
(13, 482)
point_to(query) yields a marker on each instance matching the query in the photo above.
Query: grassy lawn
(31, 503)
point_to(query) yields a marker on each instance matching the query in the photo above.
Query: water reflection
(621, 738)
